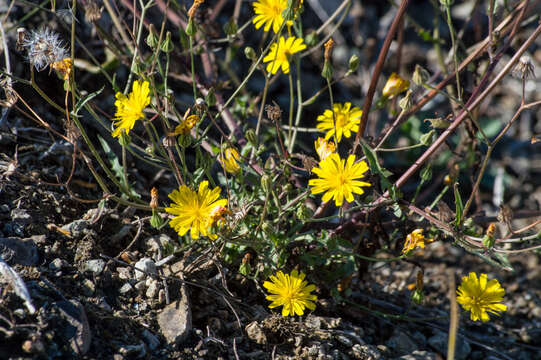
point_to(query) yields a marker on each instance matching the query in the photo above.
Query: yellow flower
(347, 121)
(338, 178)
(279, 53)
(480, 296)
(186, 125)
(324, 148)
(269, 13)
(290, 291)
(64, 67)
(394, 86)
(415, 238)
(195, 211)
(229, 160)
(130, 109)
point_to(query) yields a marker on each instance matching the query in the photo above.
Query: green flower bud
(167, 45)
(420, 75)
(184, 38)
(406, 102)
(266, 183)
(311, 39)
(152, 38)
(488, 241)
(354, 62)
(191, 29)
(251, 137)
(245, 268)
(427, 139)
(267, 228)
(184, 141)
(230, 27)
(156, 220)
(327, 70)
(418, 297)
(250, 53)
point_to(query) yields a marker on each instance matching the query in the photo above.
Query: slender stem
(193, 69)
(454, 50)
(377, 72)
(291, 107)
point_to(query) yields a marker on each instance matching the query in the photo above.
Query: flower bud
(210, 99)
(185, 141)
(156, 220)
(152, 38)
(420, 75)
(304, 212)
(230, 27)
(266, 183)
(354, 62)
(311, 39)
(251, 137)
(167, 45)
(191, 29)
(406, 102)
(394, 86)
(250, 54)
(153, 198)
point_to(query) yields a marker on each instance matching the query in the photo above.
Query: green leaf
(459, 205)
(377, 169)
(82, 102)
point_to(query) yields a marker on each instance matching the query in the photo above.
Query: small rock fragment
(152, 289)
(401, 344)
(58, 264)
(76, 330)
(126, 288)
(175, 320)
(15, 250)
(147, 265)
(76, 228)
(255, 333)
(95, 266)
(21, 216)
(439, 342)
(151, 340)
(419, 355)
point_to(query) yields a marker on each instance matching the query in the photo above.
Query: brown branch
(377, 71)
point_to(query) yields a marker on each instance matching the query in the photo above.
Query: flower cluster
(343, 120)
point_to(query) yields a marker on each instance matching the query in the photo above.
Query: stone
(151, 340)
(124, 273)
(140, 286)
(21, 216)
(76, 228)
(175, 320)
(419, 355)
(76, 329)
(344, 340)
(152, 289)
(147, 265)
(439, 342)
(19, 251)
(401, 344)
(88, 287)
(255, 332)
(365, 352)
(95, 266)
(126, 288)
(58, 264)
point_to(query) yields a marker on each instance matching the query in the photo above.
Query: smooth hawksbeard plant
(480, 296)
(346, 120)
(130, 108)
(394, 86)
(338, 178)
(415, 239)
(278, 54)
(195, 211)
(269, 13)
(290, 291)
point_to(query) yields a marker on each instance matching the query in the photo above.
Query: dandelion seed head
(44, 48)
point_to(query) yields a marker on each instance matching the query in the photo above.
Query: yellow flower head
(415, 239)
(338, 178)
(347, 121)
(480, 296)
(269, 13)
(64, 67)
(195, 211)
(394, 86)
(130, 109)
(324, 148)
(229, 160)
(279, 53)
(290, 291)
(186, 125)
